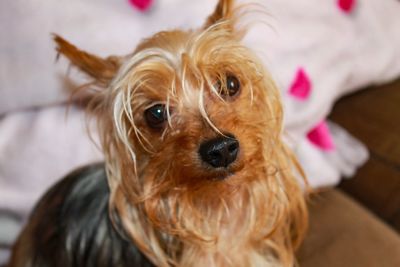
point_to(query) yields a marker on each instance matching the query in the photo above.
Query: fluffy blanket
(316, 51)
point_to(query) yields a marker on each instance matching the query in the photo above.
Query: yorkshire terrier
(195, 173)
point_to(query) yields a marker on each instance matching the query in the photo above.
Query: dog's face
(191, 127)
(196, 110)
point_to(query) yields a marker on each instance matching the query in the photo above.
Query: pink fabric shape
(321, 137)
(301, 86)
(346, 5)
(142, 5)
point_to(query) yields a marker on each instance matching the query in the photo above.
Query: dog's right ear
(223, 11)
(102, 70)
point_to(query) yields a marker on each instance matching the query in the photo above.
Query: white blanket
(315, 51)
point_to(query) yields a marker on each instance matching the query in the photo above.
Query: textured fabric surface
(29, 74)
(9, 229)
(342, 233)
(38, 148)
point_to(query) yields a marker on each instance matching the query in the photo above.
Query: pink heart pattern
(301, 86)
(321, 137)
(346, 5)
(142, 5)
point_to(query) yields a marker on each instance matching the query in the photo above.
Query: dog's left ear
(102, 70)
(223, 11)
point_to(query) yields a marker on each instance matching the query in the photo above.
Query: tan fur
(102, 70)
(173, 207)
(223, 11)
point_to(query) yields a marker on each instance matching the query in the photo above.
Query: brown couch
(344, 234)
(359, 224)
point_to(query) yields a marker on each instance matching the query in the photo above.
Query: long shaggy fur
(174, 208)
(71, 226)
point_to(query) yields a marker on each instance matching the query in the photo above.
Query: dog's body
(71, 227)
(191, 128)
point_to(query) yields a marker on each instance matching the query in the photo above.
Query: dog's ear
(223, 11)
(102, 70)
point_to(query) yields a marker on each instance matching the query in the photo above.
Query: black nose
(220, 151)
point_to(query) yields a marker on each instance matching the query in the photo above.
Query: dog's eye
(232, 86)
(156, 116)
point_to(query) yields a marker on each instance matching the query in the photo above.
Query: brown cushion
(344, 234)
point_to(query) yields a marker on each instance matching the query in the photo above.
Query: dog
(195, 172)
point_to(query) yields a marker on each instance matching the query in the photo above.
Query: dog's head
(191, 127)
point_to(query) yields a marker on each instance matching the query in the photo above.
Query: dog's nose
(220, 151)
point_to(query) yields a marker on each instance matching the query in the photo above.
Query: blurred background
(336, 62)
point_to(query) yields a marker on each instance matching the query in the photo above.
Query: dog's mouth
(221, 174)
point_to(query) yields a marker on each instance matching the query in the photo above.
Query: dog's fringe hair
(198, 225)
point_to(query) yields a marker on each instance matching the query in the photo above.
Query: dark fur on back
(71, 227)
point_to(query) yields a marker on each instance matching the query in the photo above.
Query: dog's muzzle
(220, 152)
